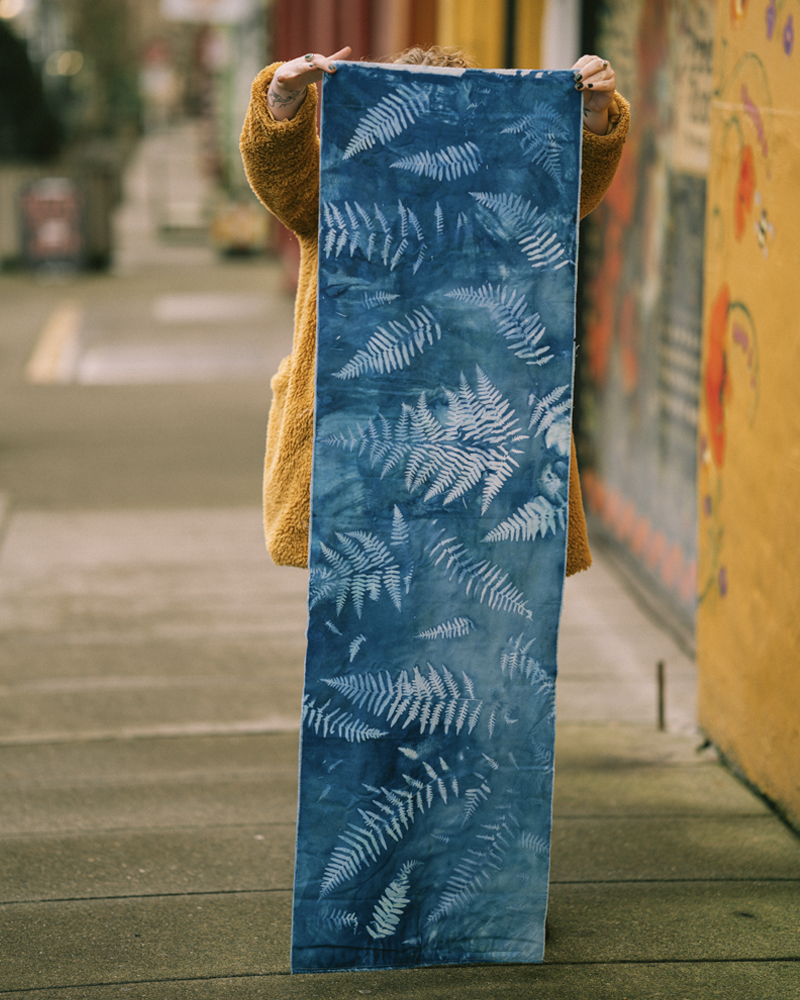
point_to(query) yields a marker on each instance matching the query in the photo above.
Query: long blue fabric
(448, 243)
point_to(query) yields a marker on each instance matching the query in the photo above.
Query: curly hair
(435, 55)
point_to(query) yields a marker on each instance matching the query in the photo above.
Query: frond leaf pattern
(543, 134)
(518, 219)
(362, 567)
(390, 907)
(391, 116)
(394, 345)
(442, 164)
(509, 310)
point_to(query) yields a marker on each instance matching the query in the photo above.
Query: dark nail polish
(579, 86)
(590, 85)
(578, 77)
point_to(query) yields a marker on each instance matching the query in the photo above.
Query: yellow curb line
(56, 352)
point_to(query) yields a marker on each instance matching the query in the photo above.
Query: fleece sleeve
(601, 156)
(281, 159)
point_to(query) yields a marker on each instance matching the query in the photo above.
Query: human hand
(288, 87)
(595, 77)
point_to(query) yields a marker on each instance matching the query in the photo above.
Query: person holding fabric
(280, 151)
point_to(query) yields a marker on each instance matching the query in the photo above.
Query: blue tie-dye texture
(448, 241)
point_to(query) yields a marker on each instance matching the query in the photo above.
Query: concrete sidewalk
(150, 679)
(149, 780)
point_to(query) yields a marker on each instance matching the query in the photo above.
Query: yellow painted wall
(477, 26)
(528, 34)
(748, 623)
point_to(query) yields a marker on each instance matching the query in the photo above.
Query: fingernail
(579, 86)
(590, 85)
(578, 77)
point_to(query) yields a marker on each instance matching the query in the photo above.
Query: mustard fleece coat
(282, 164)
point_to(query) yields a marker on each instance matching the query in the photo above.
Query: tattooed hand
(595, 77)
(288, 87)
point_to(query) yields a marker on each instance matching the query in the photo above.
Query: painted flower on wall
(788, 36)
(745, 190)
(717, 384)
(771, 16)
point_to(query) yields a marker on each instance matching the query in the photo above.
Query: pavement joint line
(411, 968)
(156, 733)
(257, 892)
(288, 888)
(143, 895)
(113, 831)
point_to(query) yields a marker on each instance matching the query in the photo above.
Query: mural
(748, 636)
(643, 292)
(439, 505)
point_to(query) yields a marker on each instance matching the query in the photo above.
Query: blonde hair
(435, 55)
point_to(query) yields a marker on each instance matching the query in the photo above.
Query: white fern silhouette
(518, 219)
(400, 532)
(537, 845)
(336, 723)
(510, 312)
(363, 568)
(478, 866)
(543, 136)
(391, 116)
(552, 415)
(442, 164)
(474, 442)
(391, 814)
(515, 660)
(341, 920)
(378, 299)
(482, 579)
(431, 699)
(393, 346)
(356, 645)
(536, 517)
(390, 907)
(456, 628)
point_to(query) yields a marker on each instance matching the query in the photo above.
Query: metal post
(660, 684)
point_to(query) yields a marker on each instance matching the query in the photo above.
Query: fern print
(443, 164)
(447, 237)
(389, 909)
(336, 723)
(478, 867)
(552, 415)
(378, 299)
(481, 578)
(341, 920)
(518, 219)
(543, 136)
(509, 310)
(473, 444)
(535, 518)
(415, 698)
(388, 818)
(392, 115)
(456, 628)
(515, 659)
(362, 567)
(392, 347)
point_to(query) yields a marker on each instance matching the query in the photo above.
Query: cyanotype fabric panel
(448, 242)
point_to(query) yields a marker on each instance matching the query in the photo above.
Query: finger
(341, 54)
(589, 66)
(600, 78)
